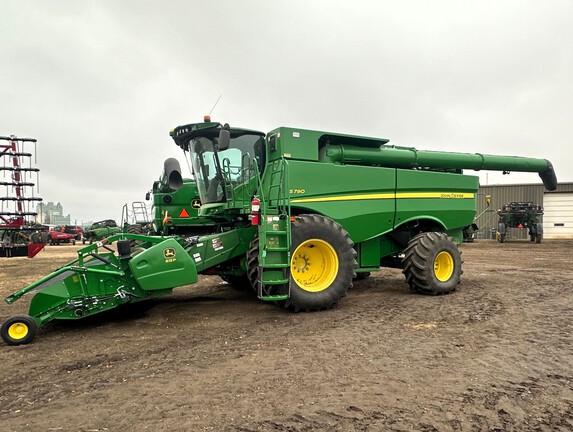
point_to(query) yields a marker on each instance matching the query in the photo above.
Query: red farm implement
(18, 234)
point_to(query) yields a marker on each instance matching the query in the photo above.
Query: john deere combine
(176, 203)
(297, 214)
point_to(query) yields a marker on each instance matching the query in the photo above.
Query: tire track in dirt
(494, 355)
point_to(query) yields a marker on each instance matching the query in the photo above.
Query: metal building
(557, 207)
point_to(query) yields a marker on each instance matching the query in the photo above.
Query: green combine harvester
(295, 214)
(100, 230)
(176, 204)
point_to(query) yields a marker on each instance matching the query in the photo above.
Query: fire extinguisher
(255, 211)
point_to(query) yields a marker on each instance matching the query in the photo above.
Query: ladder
(275, 236)
(139, 212)
(137, 216)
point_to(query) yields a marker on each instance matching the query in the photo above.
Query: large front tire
(432, 264)
(253, 263)
(323, 263)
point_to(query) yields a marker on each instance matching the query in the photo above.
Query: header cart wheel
(19, 330)
(432, 264)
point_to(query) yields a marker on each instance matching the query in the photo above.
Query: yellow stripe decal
(408, 195)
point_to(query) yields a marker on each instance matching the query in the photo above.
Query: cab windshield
(217, 173)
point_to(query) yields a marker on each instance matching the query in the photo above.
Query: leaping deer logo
(169, 253)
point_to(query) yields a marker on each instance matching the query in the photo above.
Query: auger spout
(411, 158)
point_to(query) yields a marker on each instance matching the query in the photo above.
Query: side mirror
(224, 138)
(147, 196)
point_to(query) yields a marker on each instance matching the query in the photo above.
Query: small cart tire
(19, 330)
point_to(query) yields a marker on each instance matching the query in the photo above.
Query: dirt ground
(495, 355)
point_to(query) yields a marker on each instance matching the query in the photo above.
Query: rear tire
(323, 263)
(432, 264)
(134, 229)
(19, 330)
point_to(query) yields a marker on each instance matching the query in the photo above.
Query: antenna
(212, 109)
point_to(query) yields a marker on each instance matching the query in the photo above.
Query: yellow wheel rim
(18, 331)
(444, 266)
(314, 265)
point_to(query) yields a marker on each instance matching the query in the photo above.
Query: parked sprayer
(296, 214)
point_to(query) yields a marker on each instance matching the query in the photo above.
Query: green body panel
(178, 209)
(165, 265)
(212, 250)
(303, 144)
(372, 201)
(361, 199)
(54, 295)
(448, 199)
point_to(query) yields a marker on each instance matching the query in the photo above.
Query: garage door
(558, 215)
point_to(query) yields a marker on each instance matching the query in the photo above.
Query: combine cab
(520, 215)
(18, 235)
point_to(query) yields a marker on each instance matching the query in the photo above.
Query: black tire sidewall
(445, 245)
(420, 272)
(310, 227)
(30, 323)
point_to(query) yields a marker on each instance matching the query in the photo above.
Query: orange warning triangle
(183, 214)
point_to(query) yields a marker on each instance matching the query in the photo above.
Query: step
(273, 277)
(277, 282)
(277, 249)
(273, 232)
(276, 266)
(274, 298)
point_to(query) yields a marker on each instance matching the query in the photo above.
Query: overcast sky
(99, 84)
